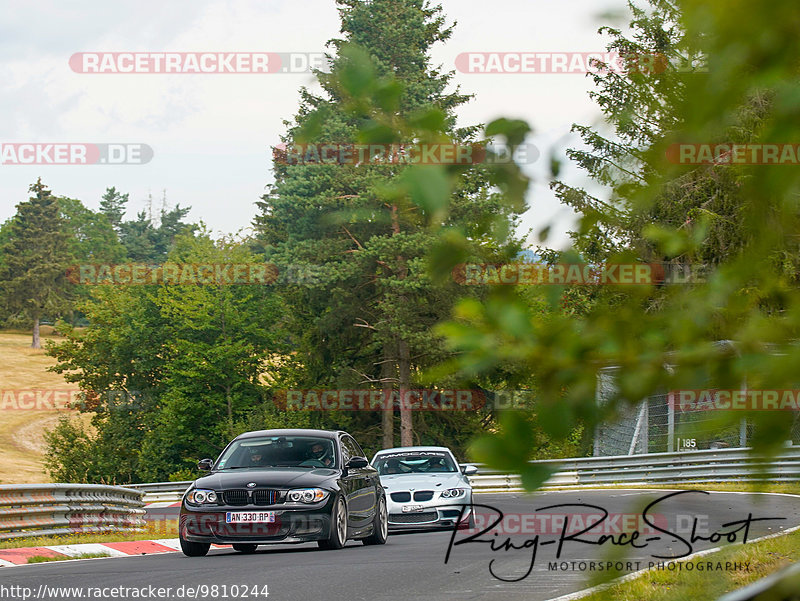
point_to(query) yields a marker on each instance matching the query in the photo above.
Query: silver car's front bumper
(432, 515)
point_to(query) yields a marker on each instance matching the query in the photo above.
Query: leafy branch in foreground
(749, 298)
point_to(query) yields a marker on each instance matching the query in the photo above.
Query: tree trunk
(404, 358)
(406, 422)
(388, 411)
(36, 341)
(229, 401)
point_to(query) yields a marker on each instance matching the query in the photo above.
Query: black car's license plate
(253, 517)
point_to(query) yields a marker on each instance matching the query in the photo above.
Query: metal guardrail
(157, 492)
(28, 510)
(688, 467)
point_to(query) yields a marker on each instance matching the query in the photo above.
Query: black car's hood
(268, 478)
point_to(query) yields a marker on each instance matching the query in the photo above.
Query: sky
(211, 134)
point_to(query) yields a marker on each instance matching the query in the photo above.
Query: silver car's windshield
(414, 462)
(279, 451)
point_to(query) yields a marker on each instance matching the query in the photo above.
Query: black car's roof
(290, 432)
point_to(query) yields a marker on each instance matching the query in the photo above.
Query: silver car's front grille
(405, 496)
(413, 518)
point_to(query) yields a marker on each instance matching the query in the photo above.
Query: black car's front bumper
(293, 524)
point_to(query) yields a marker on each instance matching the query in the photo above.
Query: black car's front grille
(242, 497)
(236, 497)
(265, 497)
(423, 495)
(401, 497)
(413, 518)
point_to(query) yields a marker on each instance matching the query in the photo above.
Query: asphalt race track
(411, 566)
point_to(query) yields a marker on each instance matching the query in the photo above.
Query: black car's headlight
(307, 495)
(200, 496)
(454, 493)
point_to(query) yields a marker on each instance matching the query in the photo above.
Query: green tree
(113, 205)
(751, 297)
(366, 317)
(171, 373)
(36, 256)
(146, 242)
(93, 238)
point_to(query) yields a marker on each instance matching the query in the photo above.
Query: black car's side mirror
(357, 463)
(205, 465)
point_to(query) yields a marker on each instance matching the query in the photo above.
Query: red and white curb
(17, 557)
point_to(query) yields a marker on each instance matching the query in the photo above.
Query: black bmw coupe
(284, 486)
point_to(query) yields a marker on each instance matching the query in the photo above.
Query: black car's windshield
(279, 451)
(414, 462)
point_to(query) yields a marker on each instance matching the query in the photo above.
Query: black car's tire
(191, 549)
(380, 525)
(246, 548)
(338, 531)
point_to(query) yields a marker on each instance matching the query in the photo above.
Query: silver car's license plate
(412, 508)
(254, 517)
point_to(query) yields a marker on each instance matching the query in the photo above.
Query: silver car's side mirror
(469, 470)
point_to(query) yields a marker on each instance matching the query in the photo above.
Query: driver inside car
(437, 465)
(392, 467)
(256, 458)
(319, 453)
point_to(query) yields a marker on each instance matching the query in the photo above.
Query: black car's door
(361, 496)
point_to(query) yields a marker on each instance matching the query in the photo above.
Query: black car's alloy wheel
(245, 548)
(338, 533)
(380, 525)
(191, 549)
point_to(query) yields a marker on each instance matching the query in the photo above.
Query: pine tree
(644, 107)
(640, 105)
(36, 255)
(113, 205)
(368, 317)
(143, 241)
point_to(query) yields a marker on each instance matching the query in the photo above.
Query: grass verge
(43, 559)
(792, 488)
(764, 558)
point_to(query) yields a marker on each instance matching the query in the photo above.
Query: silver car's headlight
(307, 495)
(200, 496)
(454, 493)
